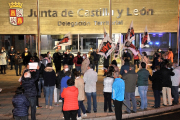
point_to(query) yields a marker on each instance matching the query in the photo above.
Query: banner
(145, 38)
(106, 47)
(118, 45)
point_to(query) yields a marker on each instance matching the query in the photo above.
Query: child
(20, 104)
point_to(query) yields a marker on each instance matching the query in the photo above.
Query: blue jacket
(29, 85)
(124, 67)
(21, 105)
(118, 89)
(64, 82)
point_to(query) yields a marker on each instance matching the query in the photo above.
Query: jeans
(143, 95)
(175, 94)
(32, 101)
(167, 90)
(70, 67)
(95, 65)
(58, 67)
(21, 117)
(58, 93)
(20, 67)
(12, 63)
(70, 114)
(131, 96)
(49, 94)
(93, 95)
(107, 101)
(118, 109)
(78, 68)
(157, 98)
(81, 107)
(41, 82)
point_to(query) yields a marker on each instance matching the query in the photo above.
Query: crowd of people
(71, 85)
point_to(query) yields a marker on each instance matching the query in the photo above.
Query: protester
(130, 79)
(57, 57)
(114, 64)
(3, 62)
(18, 63)
(65, 58)
(118, 89)
(175, 85)
(85, 63)
(96, 60)
(125, 67)
(126, 55)
(157, 86)
(70, 60)
(142, 83)
(79, 83)
(28, 83)
(70, 96)
(78, 61)
(107, 90)
(73, 73)
(26, 55)
(20, 104)
(90, 79)
(49, 77)
(136, 59)
(12, 53)
(106, 65)
(144, 58)
(47, 57)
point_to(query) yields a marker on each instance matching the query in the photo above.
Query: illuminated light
(157, 43)
(154, 34)
(150, 43)
(160, 34)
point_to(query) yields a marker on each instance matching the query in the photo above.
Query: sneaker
(87, 111)
(79, 118)
(56, 105)
(60, 100)
(84, 115)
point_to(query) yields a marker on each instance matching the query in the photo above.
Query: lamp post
(38, 31)
(110, 22)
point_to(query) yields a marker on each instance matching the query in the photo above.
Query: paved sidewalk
(9, 82)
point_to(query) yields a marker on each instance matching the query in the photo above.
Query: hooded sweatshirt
(49, 76)
(70, 95)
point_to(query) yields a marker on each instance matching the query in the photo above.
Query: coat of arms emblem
(16, 13)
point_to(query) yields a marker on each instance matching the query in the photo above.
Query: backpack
(79, 60)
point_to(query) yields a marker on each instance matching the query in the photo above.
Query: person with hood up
(28, 83)
(78, 61)
(49, 77)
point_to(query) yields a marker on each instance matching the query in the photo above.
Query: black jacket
(58, 80)
(166, 77)
(49, 76)
(57, 57)
(29, 85)
(12, 52)
(27, 58)
(70, 59)
(156, 79)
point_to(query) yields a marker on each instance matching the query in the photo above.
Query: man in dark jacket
(70, 60)
(78, 61)
(142, 83)
(57, 57)
(28, 83)
(58, 81)
(166, 84)
(130, 79)
(156, 86)
(125, 67)
(12, 53)
(26, 55)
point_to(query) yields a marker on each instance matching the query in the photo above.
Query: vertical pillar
(110, 23)
(81, 44)
(38, 30)
(78, 42)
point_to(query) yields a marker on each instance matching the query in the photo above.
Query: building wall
(162, 18)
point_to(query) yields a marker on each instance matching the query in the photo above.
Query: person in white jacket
(108, 81)
(3, 62)
(90, 79)
(175, 85)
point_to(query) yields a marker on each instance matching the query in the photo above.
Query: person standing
(90, 79)
(85, 63)
(79, 83)
(125, 67)
(136, 59)
(96, 60)
(49, 77)
(106, 64)
(18, 63)
(118, 89)
(26, 56)
(20, 104)
(175, 85)
(70, 95)
(170, 55)
(70, 60)
(130, 79)
(28, 83)
(157, 86)
(108, 81)
(78, 61)
(144, 58)
(166, 84)
(3, 62)
(12, 53)
(142, 83)
(57, 57)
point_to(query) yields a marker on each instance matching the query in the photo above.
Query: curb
(138, 114)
